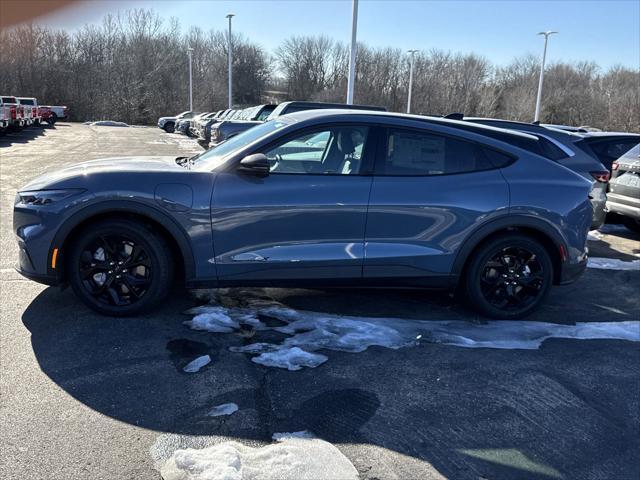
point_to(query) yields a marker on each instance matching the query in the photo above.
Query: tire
(501, 283)
(169, 127)
(632, 224)
(131, 275)
(53, 118)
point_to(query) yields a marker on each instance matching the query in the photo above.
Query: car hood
(164, 119)
(103, 166)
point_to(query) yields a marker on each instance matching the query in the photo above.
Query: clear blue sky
(604, 31)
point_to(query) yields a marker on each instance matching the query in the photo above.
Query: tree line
(133, 67)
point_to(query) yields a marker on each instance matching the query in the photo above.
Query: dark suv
(315, 198)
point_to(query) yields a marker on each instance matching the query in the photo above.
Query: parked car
(13, 112)
(226, 129)
(46, 115)
(58, 112)
(608, 146)
(196, 124)
(219, 136)
(380, 199)
(204, 134)
(5, 114)
(569, 150)
(31, 106)
(182, 126)
(624, 188)
(168, 124)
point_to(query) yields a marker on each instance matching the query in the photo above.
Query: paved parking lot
(89, 397)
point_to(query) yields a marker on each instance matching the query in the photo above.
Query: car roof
(373, 115)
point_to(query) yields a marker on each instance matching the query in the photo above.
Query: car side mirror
(256, 164)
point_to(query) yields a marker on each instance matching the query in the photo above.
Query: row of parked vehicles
(17, 113)
(587, 151)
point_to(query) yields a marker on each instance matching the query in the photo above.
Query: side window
(416, 153)
(328, 151)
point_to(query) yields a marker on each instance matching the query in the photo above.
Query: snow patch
(195, 365)
(309, 332)
(282, 436)
(224, 409)
(595, 235)
(613, 264)
(291, 358)
(106, 123)
(290, 459)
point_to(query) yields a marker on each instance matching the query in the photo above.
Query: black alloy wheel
(120, 267)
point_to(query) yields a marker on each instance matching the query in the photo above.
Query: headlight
(45, 197)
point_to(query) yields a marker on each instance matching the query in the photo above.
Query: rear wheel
(119, 267)
(169, 127)
(508, 277)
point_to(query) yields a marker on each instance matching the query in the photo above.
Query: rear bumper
(572, 271)
(4, 123)
(623, 205)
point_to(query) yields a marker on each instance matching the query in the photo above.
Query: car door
(306, 219)
(429, 192)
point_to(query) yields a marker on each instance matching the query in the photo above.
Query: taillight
(14, 113)
(614, 166)
(602, 176)
(34, 111)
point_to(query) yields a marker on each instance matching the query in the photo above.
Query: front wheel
(508, 277)
(119, 267)
(169, 127)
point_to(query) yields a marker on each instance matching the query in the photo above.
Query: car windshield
(216, 156)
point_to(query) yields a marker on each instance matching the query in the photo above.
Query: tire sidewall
(161, 266)
(483, 254)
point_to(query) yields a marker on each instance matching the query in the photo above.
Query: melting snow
(309, 332)
(291, 358)
(282, 436)
(224, 409)
(293, 458)
(106, 123)
(613, 264)
(195, 365)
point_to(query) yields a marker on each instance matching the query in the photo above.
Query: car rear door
(306, 219)
(429, 192)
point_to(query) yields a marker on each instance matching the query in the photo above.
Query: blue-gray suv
(315, 198)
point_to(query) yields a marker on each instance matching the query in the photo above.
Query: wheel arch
(168, 228)
(547, 234)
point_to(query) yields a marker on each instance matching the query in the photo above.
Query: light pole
(230, 16)
(190, 51)
(536, 117)
(352, 54)
(412, 54)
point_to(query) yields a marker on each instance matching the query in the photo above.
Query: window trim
(368, 151)
(383, 142)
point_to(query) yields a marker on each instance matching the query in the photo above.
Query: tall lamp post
(536, 117)
(230, 16)
(190, 52)
(412, 54)
(352, 54)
